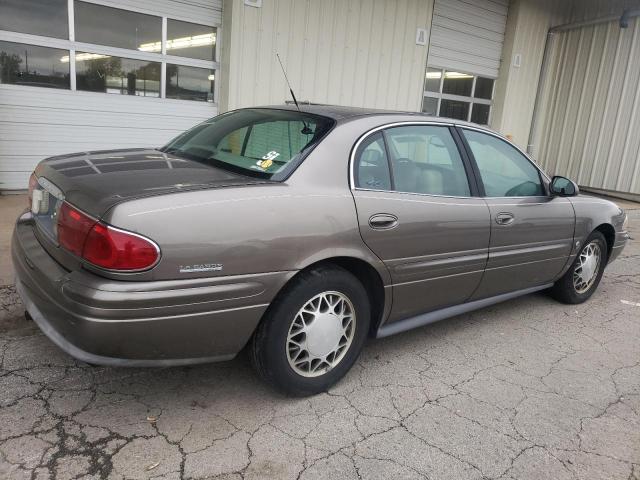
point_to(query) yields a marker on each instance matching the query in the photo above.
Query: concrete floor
(10, 207)
(529, 389)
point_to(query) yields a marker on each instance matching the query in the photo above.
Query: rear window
(259, 142)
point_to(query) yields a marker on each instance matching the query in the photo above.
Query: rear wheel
(313, 332)
(583, 277)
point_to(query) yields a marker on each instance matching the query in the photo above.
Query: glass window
(484, 88)
(258, 142)
(456, 83)
(37, 17)
(425, 159)
(505, 172)
(190, 83)
(372, 166)
(454, 109)
(433, 80)
(430, 105)
(190, 40)
(102, 25)
(124, 76)
(35, 66)
(480, 113)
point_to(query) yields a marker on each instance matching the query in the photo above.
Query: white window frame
(471, 100)
(73, 46)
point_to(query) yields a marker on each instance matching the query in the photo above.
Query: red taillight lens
(73, 228)
(33, 181)
(103, 246)
(115, 249)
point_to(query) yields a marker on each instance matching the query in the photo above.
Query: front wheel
(583, 277)
(313, 332)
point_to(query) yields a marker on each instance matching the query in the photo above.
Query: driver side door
(531, 231)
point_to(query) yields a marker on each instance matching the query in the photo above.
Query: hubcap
(321, 334)
(586, 270)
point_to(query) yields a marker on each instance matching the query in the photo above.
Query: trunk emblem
(205, 267)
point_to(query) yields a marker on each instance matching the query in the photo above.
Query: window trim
(466, 161)
(161, 57)
(544, 178)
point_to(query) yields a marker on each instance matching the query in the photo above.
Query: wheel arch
(609, 234)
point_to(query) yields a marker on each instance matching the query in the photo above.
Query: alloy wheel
(586, 270)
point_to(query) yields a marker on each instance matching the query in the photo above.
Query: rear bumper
(118, 323)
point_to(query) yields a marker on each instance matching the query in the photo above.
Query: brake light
(116, 249)
(73, 228)
(102, 245)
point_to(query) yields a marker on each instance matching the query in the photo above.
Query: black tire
(564, 289)
(268, 349)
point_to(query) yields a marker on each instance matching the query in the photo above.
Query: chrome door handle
(505, 218)
(383, 221)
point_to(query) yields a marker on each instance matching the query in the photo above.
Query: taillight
(116, 249)
(33, 181)
(73, 228)
(102, 245)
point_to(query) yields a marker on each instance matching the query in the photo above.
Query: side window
(372, 167)
(505, 172)
(425, 159)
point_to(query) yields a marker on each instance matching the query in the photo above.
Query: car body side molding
(443, 313)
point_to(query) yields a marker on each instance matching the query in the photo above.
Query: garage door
(99, 74)
(467, 35)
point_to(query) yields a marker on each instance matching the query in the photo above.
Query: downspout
(535, 123)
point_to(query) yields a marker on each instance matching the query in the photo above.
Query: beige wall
(356, 52)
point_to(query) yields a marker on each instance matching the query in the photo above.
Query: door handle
(505, 218)
(383, 221)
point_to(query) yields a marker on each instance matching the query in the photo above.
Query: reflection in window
(124, 76)
(484, 88)
(480, 113)
(190, 83)
(37, 17)
(31, 65)
(433, 80)
(456, 83)
(430, 105)
(187, 40)
(114, 27)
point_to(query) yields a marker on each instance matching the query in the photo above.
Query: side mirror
(563, 187)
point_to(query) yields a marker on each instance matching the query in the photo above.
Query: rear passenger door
(531, 231)
(417, 212)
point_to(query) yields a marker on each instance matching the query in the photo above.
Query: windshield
(257, 142)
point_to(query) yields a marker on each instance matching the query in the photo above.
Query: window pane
(484, 88)
(430, 105)
(37, 17)
(425, 159)
(454, 109)
(22, 64)
(433, 80)
(372, 170)
(117, 28)
(190, 83)
(258, 142)
(480, 113)
(190, 40)
(456, 83)
(124, 76)
(505, 172)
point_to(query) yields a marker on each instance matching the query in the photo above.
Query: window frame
(471, 99)
(469, 166)
(545, 180)
(71, 45)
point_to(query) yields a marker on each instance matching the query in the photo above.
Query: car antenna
(306, 130)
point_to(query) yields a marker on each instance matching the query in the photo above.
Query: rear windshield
(256, 142)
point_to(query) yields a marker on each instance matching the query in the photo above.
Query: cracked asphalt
(529, 389)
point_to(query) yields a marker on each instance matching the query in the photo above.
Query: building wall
(38, 122)
(357, 52)
(590, 112)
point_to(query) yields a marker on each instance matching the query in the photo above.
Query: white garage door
(467, 35)
(99, 74)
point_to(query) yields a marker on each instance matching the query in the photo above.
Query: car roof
(341, 113)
